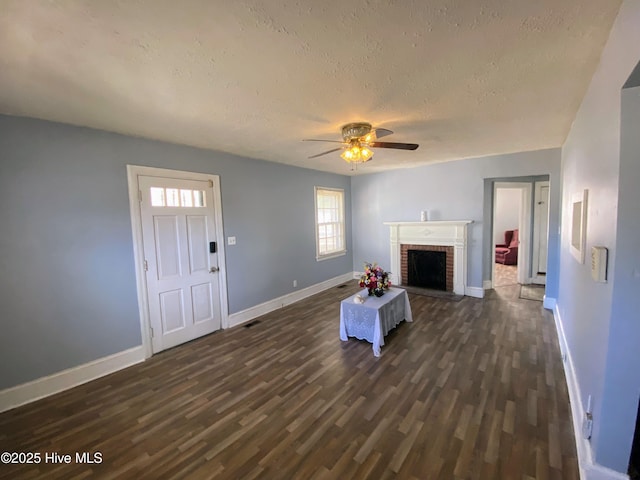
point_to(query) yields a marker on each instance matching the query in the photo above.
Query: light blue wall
(622, 374)
(595, 316)
(450, 191)
(67, 289)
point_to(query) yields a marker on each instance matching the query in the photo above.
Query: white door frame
(535, 278)
(133, 171)
(524, 230)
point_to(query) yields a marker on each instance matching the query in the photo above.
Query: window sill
(331, 255)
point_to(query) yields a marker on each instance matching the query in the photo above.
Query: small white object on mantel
(451, 233)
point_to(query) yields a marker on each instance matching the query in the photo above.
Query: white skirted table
(374, 318)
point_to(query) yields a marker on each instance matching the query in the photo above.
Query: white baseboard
(549, 303)
(598, 472)
(588, 469)
(539, 280)
(72, 377)
(249, 314)
(474, 292)
(43, 387)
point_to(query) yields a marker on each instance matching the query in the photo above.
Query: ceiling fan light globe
(347, 155)
(370, 137)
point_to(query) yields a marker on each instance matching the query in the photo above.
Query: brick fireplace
(442, 236)
(404, 263)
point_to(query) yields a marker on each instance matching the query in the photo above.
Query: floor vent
(342, 286)
(251, 324)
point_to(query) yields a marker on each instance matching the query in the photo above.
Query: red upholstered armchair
(507, 252)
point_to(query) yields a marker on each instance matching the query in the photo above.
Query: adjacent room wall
(450, 191)
(599, 320)
(68, 289)
(507, 212)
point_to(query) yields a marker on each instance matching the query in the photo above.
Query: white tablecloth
(374, 318)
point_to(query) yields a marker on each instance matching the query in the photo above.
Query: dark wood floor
(470, 389)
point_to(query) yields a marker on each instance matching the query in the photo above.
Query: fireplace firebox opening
(427, 269)
(448, 252)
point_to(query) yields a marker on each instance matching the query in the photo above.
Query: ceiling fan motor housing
(352, 131)
(357, 141)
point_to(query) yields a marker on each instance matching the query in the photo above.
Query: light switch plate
(231, 240)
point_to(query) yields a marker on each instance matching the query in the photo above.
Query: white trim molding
(66, 379)
(133, 172)
(442, 233)
(589, 470)
(524, 227)
(249, 314)
(476, 292)
(43, 387)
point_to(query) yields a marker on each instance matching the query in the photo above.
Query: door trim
(133, 171)
(535, 278)
(524, 223)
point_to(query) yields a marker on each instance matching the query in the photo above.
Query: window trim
(343, 250)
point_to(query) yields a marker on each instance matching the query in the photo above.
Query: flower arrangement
(375, 279)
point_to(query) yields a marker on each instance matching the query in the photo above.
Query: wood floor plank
(472, 389)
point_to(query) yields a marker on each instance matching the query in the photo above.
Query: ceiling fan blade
(382, 132)
(328, 151)
(319, 140)
(400, 146)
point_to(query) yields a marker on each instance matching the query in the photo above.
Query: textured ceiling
(461, 78)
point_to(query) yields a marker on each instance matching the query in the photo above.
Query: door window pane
(186, 198)
(157, 197)
(172, 197)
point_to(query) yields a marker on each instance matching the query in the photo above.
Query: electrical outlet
(295, 283)
(231, 240)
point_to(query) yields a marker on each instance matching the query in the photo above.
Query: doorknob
(213, 269)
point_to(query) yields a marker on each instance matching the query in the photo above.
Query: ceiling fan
(357, 141)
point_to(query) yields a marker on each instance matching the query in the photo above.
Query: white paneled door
(181, 259)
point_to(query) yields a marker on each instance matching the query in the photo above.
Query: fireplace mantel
(447, 233)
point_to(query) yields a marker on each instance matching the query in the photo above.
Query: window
(173, 197)
(329, 223)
